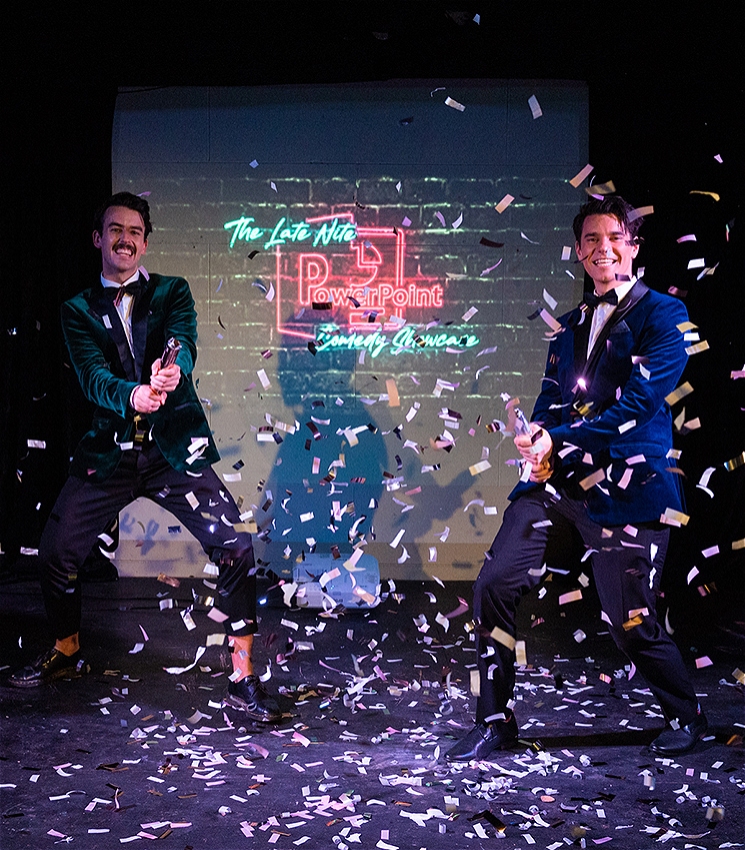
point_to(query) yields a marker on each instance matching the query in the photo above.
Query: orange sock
(241, 656)
(69, 645)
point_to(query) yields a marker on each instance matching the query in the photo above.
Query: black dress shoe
(50, 665)
(674, 742)
(249, 696)
(483, 739)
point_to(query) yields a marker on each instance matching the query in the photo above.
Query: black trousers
(84, 509)
(627, 572)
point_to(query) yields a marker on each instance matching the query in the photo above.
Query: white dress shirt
(604, 311)
(124, 307)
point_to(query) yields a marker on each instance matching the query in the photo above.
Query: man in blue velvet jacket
(597, 460)
(149, 438)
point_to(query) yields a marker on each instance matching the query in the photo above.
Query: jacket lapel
(139, 325)
(102, 308)
(581, 338)
(638, 291)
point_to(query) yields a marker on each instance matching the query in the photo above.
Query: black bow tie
(592, 299)
(133, 288)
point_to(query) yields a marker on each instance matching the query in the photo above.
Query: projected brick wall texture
(363, 304)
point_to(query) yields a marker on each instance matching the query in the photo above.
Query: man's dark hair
(609, 205)
(124, 199)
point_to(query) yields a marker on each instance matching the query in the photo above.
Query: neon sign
(284, 231)
(360, 277)
(406, 339)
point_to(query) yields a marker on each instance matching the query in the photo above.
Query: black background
(665, 87)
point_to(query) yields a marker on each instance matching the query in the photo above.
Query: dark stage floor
(134, 753)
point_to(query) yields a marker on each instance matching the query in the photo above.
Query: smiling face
(606, 251)
(122, 243)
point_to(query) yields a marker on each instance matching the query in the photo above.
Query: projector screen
(375, 268)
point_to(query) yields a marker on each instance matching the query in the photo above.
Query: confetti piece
(550, 321)
(521, 656)
(572, 596)
(490, 269)
(580, 176)
(735, 462)
(475, 683)
(454, 104)
(442, 620)
(178, 670)
(535, 107)
(673, 517)
(549, 299)
(633, 622)
(601, 189)
(265, 382)
(481, 466)
(639, 212)
(469, 314)
(217, 615)
(677, 394)
(457, 223)
(690, 237)
(351, 562)
(703, 661)
(502, 637)
(592, 479)
(504, 203)
(393, 399)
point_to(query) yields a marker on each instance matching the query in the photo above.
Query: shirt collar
(109, 283)
(623, 289)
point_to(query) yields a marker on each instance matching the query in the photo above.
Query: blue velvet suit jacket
(620, 421)
(108, 373)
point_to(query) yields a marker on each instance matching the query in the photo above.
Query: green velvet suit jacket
(108, 373)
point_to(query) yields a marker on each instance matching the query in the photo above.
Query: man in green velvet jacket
(149, 437)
